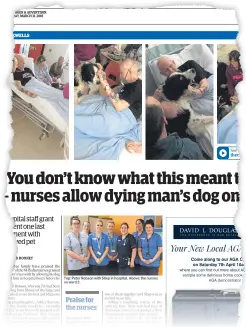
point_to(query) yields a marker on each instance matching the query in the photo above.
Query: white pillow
(29, 63)
(197, 52)
(160, 79)
(200, 53)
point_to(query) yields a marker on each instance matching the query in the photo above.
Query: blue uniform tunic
(149, 249)
(98, 246)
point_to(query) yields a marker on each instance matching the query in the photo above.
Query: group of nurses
(111, 254)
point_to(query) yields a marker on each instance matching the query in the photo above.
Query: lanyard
(81, 244)
(148, 241)
(112, 240)
(137, 236)
(124, 240)
(99, 242)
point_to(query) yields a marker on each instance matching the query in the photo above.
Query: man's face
(167, 66)
(21, 62)
(127, 73)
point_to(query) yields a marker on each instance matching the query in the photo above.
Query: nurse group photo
(112, 245)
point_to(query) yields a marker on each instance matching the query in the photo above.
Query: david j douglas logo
(205, 232)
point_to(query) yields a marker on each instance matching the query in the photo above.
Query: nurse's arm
(158, 253)
(134, 253)
(88, 257)
(119, 104)
(110, 257)
(104, 254)
(141, 255)
(74, 255)
(93, 254)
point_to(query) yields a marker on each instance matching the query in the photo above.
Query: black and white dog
(187, 121)
(86, 80)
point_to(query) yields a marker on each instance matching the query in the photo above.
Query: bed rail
(32, 114)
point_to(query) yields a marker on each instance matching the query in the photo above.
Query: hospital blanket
(100, 132)
(228, 129)
(54, 96)
(203, 104)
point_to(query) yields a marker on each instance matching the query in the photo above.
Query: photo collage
(131, 101)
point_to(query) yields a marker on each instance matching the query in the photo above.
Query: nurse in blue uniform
(126, 249)
(98, 247)
(112, 268)
(76, 248)
(139, 232)
(149, 250)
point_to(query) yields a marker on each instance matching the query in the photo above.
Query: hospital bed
(203, 55)
(40, 111)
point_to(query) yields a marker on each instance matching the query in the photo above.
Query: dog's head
(89, 73)
(224, 100)
(177, 83)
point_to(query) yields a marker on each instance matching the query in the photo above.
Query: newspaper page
(123, 179)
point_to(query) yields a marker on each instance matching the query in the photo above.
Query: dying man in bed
(201, 96)
(130, 95)
(168, 66)
(27, 83)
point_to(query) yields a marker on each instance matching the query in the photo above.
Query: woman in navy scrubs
(112, 268)
(98, 247)
(126, 249)
(76, 247)
(139, 231)
(149, 250)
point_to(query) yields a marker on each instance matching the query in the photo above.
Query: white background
(8, 246)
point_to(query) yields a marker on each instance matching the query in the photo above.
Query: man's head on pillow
(20, 61)
(166, 66)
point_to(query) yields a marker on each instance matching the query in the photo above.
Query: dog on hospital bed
(86, 80)
(187, 120)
